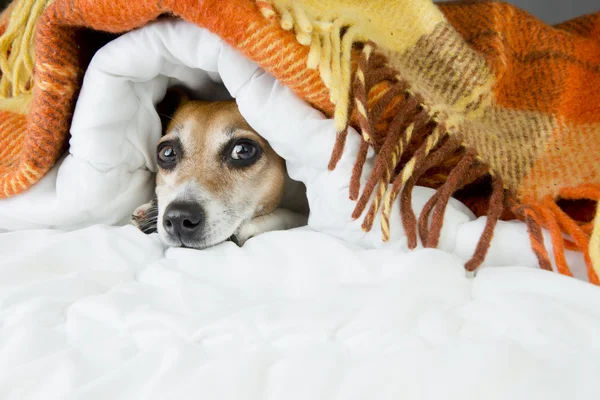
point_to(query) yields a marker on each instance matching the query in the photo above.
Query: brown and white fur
(209, 189)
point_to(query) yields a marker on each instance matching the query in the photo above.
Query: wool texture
(479, 100)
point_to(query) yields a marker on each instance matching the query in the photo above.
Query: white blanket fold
(108, 171)
(89, 311)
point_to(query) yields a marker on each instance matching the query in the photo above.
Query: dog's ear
(174, 98)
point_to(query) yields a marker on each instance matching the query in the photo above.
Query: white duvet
(93, 311)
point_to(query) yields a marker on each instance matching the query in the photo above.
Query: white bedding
(92, 311)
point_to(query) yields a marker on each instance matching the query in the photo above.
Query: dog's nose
(183, 220)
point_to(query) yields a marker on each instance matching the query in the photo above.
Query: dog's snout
(183, 220)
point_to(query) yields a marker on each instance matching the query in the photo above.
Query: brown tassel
(338, 149)
(390, 165)
(426, 211)
(383, 103)
(445, 193)
(424, 217)
(409, 220)
(379, 69)
(362, 86)
(535, 236)
(471, 176)
(494, 213)
(421, 129)
(382, 164)
(357, 170)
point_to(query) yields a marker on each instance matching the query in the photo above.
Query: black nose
(183, 220)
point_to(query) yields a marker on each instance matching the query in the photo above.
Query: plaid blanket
(479, 100)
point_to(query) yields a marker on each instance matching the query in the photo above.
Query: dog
(218, 180)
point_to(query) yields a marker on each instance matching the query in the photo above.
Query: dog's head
(215, 173)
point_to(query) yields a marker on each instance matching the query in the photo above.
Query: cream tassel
(17, 48)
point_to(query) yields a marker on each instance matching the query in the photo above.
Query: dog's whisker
(165, 115)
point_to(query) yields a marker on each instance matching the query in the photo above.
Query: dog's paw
(279, 219)
(233, 239)
(145, 217)
(244, 232)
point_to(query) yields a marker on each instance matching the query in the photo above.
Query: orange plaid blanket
(479, 100)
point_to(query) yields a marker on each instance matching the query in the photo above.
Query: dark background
(554, 11)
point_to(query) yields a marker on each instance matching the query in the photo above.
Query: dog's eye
(243, 151)
(168, 154)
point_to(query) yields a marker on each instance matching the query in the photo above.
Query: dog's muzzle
(184, 221)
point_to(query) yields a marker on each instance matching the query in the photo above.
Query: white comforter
(90, 311)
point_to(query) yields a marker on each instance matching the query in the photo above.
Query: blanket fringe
(411, 125)
(330, 42)
(17, 50)
(416, 141)
(548, 215)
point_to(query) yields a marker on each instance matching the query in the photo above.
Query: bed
(91, 308)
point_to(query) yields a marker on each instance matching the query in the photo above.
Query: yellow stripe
(360, 107)
(17, 105)
(412, 18)
(367, 51)
(361, 76)
(28, 173)
(255, 33)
